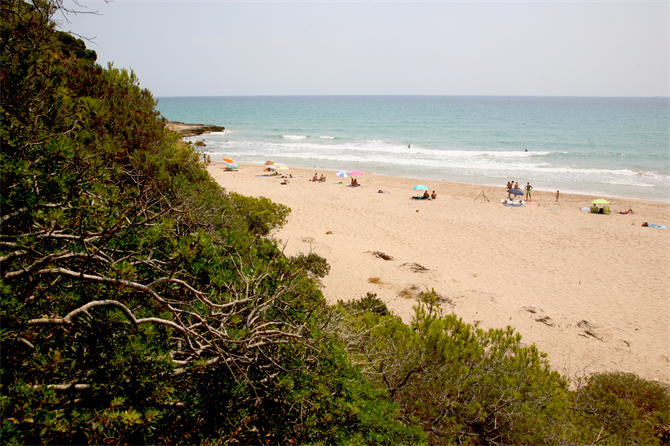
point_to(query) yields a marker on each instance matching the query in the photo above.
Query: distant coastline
(185, 130)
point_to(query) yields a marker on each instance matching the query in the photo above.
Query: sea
(598, 146)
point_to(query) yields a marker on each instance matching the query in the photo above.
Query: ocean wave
(461, 160)
(372, 148)
(294, 136)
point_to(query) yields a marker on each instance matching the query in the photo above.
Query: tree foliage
(465, 385)
(141, 303)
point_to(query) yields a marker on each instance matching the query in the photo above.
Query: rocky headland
(193, 129)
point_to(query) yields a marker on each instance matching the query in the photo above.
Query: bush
(141, 303)
(622, 408)
(369, 303)
(460, 383)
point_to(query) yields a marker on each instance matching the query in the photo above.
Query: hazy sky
(222, 48)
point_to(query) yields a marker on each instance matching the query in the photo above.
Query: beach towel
(656, 226)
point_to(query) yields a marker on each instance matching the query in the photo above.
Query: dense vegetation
(141, 303)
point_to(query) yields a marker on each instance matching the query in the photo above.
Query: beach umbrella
(282, 168)
(356, 172)
(341, 173)
(228, 160)
(233, 166)
(269, 163)
(600, 201)
(420, 187)
(515, 192)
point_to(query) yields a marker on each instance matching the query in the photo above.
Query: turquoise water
(612, 147)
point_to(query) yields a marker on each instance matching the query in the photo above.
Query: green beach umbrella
(600, 201)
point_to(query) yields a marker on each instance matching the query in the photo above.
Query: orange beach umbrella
(228, 160)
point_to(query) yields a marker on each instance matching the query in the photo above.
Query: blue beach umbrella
(341, 173)
(515, 192)
(420, 187)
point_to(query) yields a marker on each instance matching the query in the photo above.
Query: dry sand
(592, 291)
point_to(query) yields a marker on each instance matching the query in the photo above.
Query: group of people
(321, 179)
(515, 185)
(528, 188)
(354, 182)
(426, 196)
(286, 178)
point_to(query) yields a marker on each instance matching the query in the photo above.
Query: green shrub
(622, 408)
(141, 303)
(369, 303)
(463, 384)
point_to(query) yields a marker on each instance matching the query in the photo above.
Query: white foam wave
(294, 136)
(327, 137)
(380, 156)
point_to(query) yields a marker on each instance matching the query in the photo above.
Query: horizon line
(445, 95)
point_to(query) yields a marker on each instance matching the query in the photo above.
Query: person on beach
(322, 179)
(528, 189)
(285, 181)
(516, 185)
(426, 195)
(557, 194)
(315, 177)
(433, 195)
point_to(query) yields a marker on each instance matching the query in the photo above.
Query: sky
(226, 48)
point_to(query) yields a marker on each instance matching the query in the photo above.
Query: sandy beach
(592, 291)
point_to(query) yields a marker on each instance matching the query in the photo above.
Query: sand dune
(593, 291)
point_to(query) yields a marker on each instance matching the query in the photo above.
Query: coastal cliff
(192, 129)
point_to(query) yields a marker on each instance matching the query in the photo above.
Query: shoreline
(592, 291)
(616, 197)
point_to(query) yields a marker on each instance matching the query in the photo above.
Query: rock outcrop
(192, 129)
